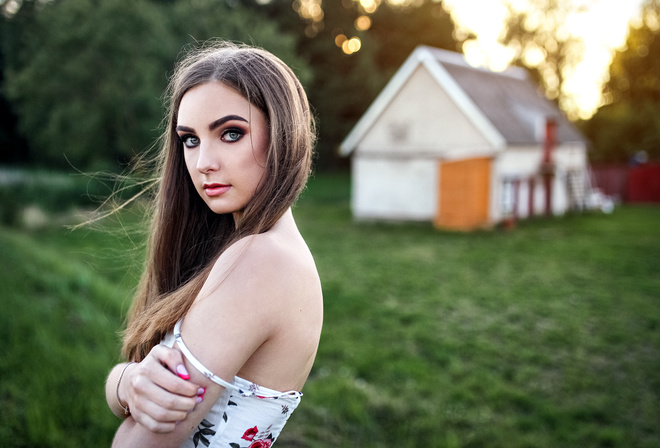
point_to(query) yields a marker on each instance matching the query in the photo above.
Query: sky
(603, 27)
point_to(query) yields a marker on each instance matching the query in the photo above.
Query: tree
(82, 85)
(544, 45)
(635, 70)
(14, 148)
(631, 121)
(86, 76)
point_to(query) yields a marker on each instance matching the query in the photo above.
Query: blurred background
(544, 336)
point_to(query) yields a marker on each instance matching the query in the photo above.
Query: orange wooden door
(463, 199)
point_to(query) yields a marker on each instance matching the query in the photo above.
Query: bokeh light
(340, 39)
(309, 9)
(362, 23)
(351, 45)
(11, 8)
(369, 6)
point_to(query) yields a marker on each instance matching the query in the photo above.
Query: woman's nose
(207, 160)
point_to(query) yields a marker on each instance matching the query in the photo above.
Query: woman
(225, 325)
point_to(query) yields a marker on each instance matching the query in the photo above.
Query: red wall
(644, 183)
(611, 179)
(629, 183)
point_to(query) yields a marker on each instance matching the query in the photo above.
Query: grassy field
(545, 336)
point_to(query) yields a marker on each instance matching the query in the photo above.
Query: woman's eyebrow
(216, 124)
(219, 122)
(185, 129)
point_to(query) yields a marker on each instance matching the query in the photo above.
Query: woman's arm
(112, 390)
(229, 321)
(133, 434)
(156, 397)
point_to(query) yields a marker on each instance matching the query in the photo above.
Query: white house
(463, 147)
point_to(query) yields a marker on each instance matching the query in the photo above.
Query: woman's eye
(189, 141)
(232, 135)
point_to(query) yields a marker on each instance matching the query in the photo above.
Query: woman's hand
(157, 390)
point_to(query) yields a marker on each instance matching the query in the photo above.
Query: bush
(51, 192)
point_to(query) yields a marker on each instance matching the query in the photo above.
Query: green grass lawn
(545, 336)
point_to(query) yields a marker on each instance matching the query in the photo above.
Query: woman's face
(224, 141)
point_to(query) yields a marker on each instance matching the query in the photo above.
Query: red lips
(215, 189)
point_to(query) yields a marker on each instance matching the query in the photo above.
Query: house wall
(423, 119)
(521, 165)
(394, 188)
(391, 186)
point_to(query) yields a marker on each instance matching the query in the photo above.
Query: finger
(174, 384)
(161, 372)
(171, 358)
(148, 389)
(152, 412)
(153, 425)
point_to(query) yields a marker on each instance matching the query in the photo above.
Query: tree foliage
(631, 121)
(542, 43)
(83, 85)
(635, 70)
(86, 76)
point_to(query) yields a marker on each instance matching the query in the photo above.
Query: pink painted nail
(182, 372)
(201, 391)
(199, 399)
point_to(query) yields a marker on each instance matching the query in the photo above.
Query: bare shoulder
(276, 266)
(285, 264)
(263, 300)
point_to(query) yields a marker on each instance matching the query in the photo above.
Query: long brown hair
(186, 237)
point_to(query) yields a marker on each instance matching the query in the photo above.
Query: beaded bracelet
(127, 411)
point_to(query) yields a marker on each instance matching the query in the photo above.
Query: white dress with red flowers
(245, 416)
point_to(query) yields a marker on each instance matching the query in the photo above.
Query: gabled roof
(505, 107)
